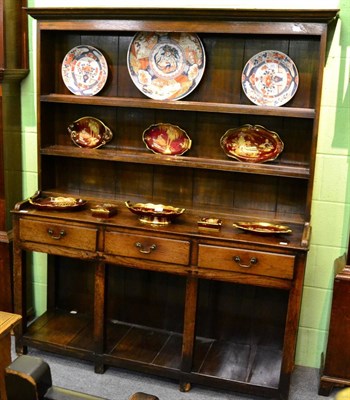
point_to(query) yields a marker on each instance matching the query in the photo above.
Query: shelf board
(144, 344)
(242, 362)
(71, 333)
(139, 157)
(67, 333)
(294, 112)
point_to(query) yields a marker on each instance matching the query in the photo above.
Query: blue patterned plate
(84, 70)
(270, 78)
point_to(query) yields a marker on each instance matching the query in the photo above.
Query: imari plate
(84, 70)
(270, 78)
(166, 66)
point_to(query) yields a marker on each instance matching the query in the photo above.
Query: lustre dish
(262, 227)
(57, 203)
(270, 78)
(84, 70)
(89, 132)
(166, 66)
(155, 214)
(250, 143)
(166, 139)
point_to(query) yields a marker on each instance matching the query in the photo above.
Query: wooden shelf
(244, 363)
(60, 328)
(140, 157)
(293, 112)
(157, 348)
(144, 344)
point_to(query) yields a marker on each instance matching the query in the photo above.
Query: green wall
(331, 200)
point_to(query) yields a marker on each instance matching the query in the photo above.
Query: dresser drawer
(148, 247)
(59, 234)
(246, 261)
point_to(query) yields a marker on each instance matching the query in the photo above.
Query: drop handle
(143, 250)
(252, 261)
(60, 235)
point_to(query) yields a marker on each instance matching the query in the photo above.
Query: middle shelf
(291, 170)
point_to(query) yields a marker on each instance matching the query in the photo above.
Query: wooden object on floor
(7, 322)
(218, 306)
(29, 378)
(143, 396)
(13, 68)
(335, 364)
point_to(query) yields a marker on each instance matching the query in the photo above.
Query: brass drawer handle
(143, 250)
(51, 233)
(252, 261)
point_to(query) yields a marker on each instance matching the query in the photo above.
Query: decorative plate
(166, 66)
(166, 139)
(270, 78)
(251, 144)
(57, 203)
(155, 214)
(89, 132)
(262, 227)
(84, 70)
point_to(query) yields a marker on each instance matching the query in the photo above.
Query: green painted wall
(331, 200)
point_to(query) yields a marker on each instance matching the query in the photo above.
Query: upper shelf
(181, 105)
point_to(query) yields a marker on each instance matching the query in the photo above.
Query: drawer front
(58, 234)
(148, 247)
(246, 261)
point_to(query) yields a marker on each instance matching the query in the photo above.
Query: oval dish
(262, 227)
(155, 214)
(89, 132)
(249, 143)
(57, 203)
(166, 139)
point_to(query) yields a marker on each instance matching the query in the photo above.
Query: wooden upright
(335, 368)
(13, 68)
